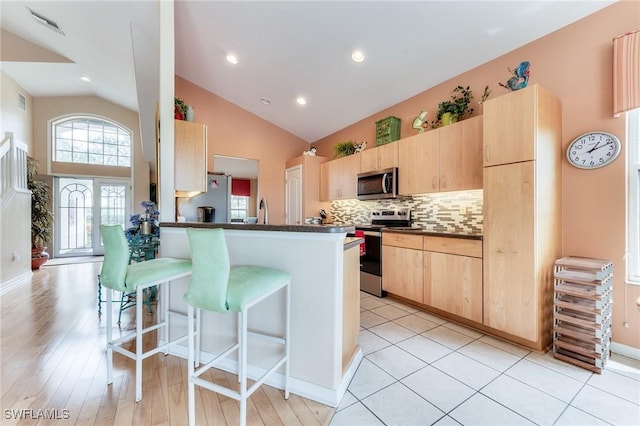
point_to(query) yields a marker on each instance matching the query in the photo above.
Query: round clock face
(593, 150)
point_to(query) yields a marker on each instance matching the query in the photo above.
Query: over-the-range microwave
(378, 184)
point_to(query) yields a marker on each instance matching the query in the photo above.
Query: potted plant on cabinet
(41, 216)
(455, 108)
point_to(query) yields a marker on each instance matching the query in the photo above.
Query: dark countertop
(419, 231)
(260, 227)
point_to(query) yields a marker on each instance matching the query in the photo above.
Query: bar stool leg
(190, 365)
(197, 327)
(109, 336)
(287, 346)
(243, 369)
(139, 295)
(240, 348)
(163, 294)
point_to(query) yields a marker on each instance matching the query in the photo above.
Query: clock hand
(594, 148)
(598, 147)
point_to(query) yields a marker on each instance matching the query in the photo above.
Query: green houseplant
(41, 216)
(342, 149)
(456, 108)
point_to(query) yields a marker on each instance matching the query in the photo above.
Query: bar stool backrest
(210, 270)
(116, 257)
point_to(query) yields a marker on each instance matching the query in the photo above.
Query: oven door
(371, 260)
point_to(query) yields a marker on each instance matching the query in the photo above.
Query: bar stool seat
(217, 287)
(118, 274)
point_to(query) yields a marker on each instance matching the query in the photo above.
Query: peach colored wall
(47, 108)
(236, 132)
(574, 63)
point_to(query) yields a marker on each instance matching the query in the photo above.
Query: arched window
(91, 140)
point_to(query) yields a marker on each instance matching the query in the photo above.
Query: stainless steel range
(371, 256)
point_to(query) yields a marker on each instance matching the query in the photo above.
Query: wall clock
(593, 150)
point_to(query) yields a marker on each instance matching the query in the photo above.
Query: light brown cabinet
(442, 272)
(444, 159)
(190, 157)
(402, 265)
(379, 158)
(522, 221)
(338, 178)
(453, 276)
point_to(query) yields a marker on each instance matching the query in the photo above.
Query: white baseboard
(624, 350)
(331, 397)
(7, 285)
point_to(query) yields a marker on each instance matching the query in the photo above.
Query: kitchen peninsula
(325, 302)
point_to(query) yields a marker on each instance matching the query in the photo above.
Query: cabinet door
(369, 160)
(347, 169)
(418, 167)
(325, 182)
(509, 127)
(456, 284)
(510, 295)
(461, 155)
(387, 155)
(402, 272)
(190, 156)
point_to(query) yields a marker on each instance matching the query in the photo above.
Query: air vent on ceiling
(45, 21)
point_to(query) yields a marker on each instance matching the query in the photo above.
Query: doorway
(81, 206)
(293, 196)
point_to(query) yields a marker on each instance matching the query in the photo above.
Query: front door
(81, 205)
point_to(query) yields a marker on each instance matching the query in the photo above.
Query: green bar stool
(217, 287)
(118, 274)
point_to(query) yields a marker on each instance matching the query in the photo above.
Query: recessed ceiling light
(83, 78)
(301, 101)
(232, 58)
(265, 101)
(357, 56)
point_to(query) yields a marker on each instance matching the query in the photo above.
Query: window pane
(78, 137)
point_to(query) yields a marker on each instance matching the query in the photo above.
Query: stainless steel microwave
(378, 184)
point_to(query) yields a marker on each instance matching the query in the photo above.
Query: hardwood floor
(53, 366)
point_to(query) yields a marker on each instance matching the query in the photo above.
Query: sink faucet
(263, 206)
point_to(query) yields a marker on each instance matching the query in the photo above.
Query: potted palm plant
(41, 216)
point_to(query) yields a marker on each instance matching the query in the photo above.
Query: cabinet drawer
(402, 240)
(459, 246)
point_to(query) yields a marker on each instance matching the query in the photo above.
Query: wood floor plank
(53, 356)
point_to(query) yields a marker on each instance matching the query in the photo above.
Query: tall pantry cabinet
(522, 213)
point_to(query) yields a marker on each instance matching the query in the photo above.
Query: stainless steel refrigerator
(217, 196)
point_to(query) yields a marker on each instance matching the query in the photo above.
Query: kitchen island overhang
(314, 256)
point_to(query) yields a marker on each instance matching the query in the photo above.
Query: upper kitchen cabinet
(522, 215)
(418, 163)
(190, 153)
(444, 159)
(339, 178)
(461, 155)
(379, 158)
(515, 125)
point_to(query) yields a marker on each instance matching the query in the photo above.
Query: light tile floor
(420, 369)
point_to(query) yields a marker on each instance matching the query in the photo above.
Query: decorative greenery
(458, 105)
(180, 110)
(151, 214)
(485, 94)
(41, 216)
(342, 149)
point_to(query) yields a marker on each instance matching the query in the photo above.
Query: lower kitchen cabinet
(402, 267)
(442, 272)
(454, 284)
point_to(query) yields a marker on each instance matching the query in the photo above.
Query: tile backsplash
(453, 212)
